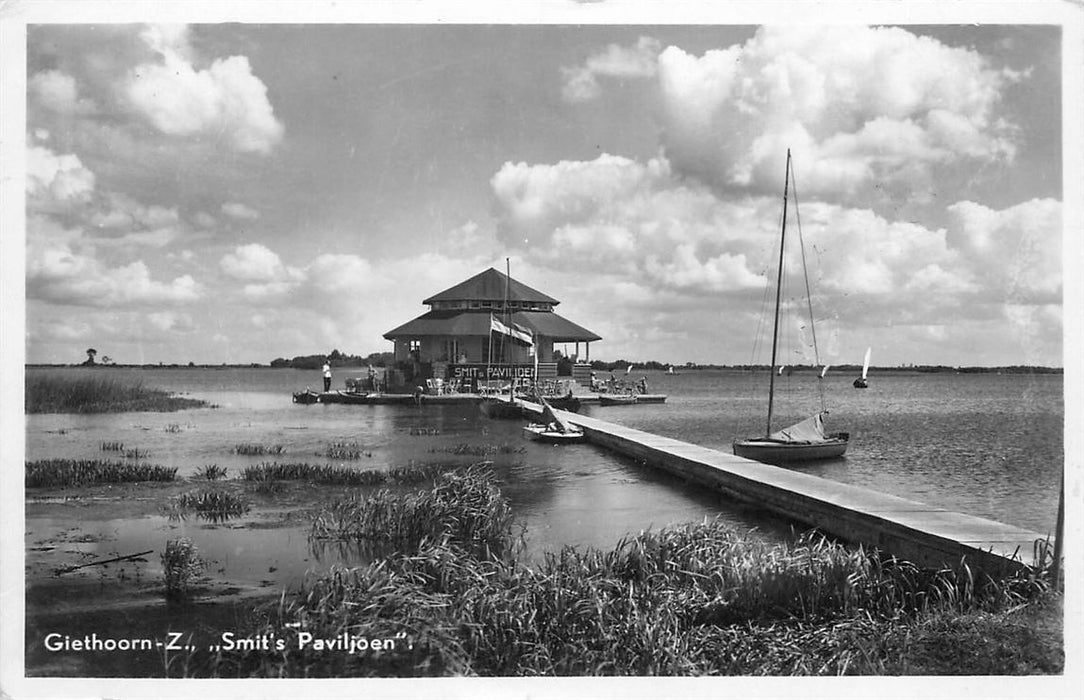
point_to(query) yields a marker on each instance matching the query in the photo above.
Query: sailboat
(553, 428)
(806, 440)
(861, 382)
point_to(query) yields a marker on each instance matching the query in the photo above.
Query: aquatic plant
(211, 472)
(333, 475)
(76, 472)
(346, 450)
(465, 448)
(97, 394)
(214, 502)
(689, 600)
(246, 448)
(113, 446)
(424, 431)
(136, 453)
(463, 507)
(181, 566)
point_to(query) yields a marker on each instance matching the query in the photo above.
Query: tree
(91, 352)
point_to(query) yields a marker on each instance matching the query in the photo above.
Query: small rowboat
(548, 432)
(616, 399)
(307, 396)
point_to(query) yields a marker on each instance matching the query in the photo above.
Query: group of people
(613, 386)
(370, 379)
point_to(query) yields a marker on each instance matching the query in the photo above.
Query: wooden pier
(923, 534)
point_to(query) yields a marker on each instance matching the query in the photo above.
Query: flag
(517, 331)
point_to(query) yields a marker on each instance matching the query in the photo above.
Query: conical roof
(490, 286)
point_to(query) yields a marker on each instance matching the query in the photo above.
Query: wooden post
(1059, 531)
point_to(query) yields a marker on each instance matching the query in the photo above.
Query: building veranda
(485, 331)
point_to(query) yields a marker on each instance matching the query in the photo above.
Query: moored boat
(553, 429)
(306, 397)
(806, 440)
(616, 399)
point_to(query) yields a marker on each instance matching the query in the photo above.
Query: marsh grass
(98, 394)
(215, 505)
(181, 566)
(692, 600)
(250, 449)
(346, 450)
(112, 446)
(464, 448)
(333, 475)
(211, 472)
(77, 472)
(464, 507)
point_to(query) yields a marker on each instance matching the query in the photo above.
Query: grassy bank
(98, 394)
(456, 596)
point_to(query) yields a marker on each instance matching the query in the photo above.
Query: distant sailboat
(628, 370)
(805, 440)
(861, 382)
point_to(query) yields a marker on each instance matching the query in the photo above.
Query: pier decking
(923, 534)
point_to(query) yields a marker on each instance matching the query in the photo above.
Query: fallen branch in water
(103, 561)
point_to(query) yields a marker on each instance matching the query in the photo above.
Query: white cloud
(858, 106)
(56, 182)
(57, 91)
(239, 211)
(225, 100)
(620, 62)
(1015, 254)
(253, 263)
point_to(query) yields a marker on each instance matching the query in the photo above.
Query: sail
(809, 430)
(552, 418)
(865, 363)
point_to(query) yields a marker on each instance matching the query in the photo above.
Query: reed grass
(98, 394)
(216, 504)
(462, 507)
(211, 472)
(78, 472)
(691, 600)
(346, 450)
(112, 446)
(465, 448)
(251, 449)
(333, 475)
(181, 566)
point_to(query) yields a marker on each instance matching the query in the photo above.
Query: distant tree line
(335, 359)
(608, 366)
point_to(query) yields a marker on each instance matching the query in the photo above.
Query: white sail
(825, 371)
(865, 363)
(628, 370)
(809, 430)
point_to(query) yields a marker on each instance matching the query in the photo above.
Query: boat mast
(778, 297)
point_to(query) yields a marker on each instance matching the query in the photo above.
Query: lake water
(983, 444)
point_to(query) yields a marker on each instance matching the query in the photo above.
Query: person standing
(327, 376)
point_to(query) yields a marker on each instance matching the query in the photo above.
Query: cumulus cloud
(615, 61)
(862, 106)
(253, 263)
(61, 275)
(56, 182)
(616, 214)
(1014, 254)
(224, 100)
(57, 91)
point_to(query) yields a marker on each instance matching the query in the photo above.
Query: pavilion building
(461, 335)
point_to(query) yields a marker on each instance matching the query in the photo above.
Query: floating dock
(922, 534)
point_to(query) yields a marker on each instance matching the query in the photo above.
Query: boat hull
(543, 433)
(501, 409)
(778, 452)
(306, 397)
(605, 400)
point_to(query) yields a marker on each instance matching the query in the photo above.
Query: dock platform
(922, 534)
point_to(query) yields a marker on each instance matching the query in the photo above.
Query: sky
(237, 192)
